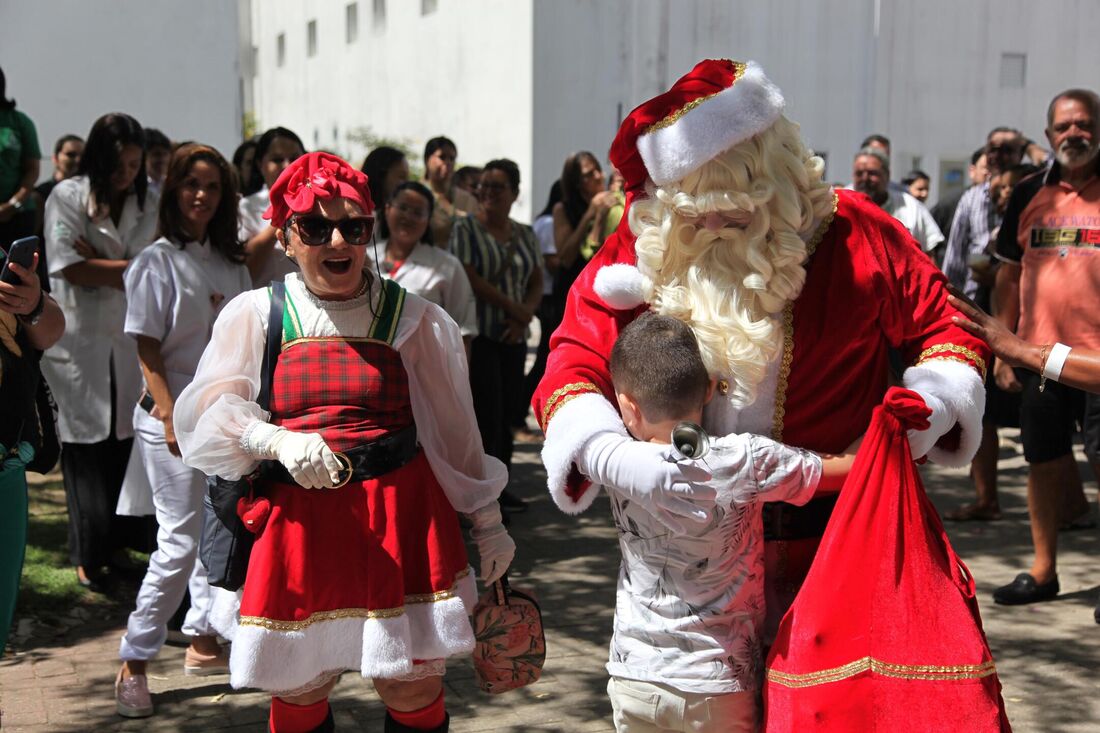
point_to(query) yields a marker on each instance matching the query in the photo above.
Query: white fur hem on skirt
(274, 656)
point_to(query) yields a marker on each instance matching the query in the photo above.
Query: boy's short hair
(656, 361)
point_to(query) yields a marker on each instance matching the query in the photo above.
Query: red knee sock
(428, 717)
(287, 717)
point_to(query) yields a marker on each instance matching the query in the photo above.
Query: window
(1013, 70)
(311, 38)
(427, 7)
(351, 16)
(378, 14)
(280, 49)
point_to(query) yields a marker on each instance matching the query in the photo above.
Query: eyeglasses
(317, 230)
(1006, 149)
(491, 187)
(412, 212)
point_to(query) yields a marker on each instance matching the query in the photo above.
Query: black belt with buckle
(366, 461)
(789, 522)
(147, 402)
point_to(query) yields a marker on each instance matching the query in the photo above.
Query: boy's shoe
(132, 698)
(196, 664)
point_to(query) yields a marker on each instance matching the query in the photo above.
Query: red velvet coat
(868, 288)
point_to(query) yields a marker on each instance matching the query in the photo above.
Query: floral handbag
(511, 647)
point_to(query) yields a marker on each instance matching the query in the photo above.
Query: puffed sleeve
(219, 405)
(64, 222)
(439, 387)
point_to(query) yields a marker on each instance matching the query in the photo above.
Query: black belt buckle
(147, 402)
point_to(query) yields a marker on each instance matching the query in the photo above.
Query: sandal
(974, 513)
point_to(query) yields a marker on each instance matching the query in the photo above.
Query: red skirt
(369, 576)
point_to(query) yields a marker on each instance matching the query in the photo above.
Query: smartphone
(21, 252)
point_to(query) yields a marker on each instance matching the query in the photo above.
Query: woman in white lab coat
(174, 292)
(95, 224)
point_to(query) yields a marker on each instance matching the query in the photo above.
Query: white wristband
(1055, 361)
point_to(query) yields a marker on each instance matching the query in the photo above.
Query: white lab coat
(78, 366)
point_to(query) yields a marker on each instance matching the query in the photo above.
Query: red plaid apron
(367, 547)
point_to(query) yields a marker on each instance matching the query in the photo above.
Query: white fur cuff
(961, 389)
(574, 424)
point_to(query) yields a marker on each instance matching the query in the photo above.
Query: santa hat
(716, 105)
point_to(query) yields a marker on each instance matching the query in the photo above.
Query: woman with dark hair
(244, 158)
(410, 260)
(586, 216)
(385, 168)
(267, 260)
(174, 291)
(451, 202)
(504, 265)
(19, 168)
(96, 222)
(917, 183)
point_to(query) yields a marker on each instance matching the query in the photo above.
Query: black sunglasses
(317, 230)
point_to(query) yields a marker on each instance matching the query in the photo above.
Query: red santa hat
(713, 107)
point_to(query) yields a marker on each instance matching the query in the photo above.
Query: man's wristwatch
(31, 318)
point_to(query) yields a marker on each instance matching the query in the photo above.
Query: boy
(685, 653)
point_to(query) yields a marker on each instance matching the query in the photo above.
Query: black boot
(392, 726)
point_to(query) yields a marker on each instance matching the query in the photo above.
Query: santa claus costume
(796, 293)
(370, 574)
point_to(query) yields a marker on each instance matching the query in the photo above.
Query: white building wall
(68, 62)
(537, 79)
(463, 71)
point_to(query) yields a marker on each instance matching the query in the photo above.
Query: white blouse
(436, 275)
(173, 295)
(219, 405)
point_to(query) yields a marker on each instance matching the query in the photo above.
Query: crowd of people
(285, 315)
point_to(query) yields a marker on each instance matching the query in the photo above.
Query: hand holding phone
(21, 253)
(21, 292)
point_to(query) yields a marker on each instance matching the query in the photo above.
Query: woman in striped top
(504, 264)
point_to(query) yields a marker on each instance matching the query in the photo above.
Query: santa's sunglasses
(316, 230)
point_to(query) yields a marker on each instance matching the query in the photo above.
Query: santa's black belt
(368, 460)
(789, 522)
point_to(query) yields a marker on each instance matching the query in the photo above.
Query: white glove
(305, 455)
(647, 473)
(494, 545)
(939, 423)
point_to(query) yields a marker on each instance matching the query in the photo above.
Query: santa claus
(795, 291)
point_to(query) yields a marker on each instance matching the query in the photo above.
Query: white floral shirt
(688, 608)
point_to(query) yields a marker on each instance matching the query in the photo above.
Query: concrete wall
(69, 61)
(537, 79)
(463, 71)
(926, 74)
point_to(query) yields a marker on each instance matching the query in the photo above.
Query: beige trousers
(649, 707)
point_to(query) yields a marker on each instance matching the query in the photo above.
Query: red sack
(885, 633)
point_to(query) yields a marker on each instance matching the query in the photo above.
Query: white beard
(724, 285)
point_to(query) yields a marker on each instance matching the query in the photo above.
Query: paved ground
(60, 676)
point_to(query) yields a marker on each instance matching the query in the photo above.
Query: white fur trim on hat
(963, 393)
(735, 114)
(573, 425)
(621, 286)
